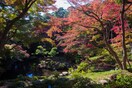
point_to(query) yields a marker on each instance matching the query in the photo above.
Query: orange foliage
(88, 19)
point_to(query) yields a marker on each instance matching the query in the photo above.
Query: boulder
(64, 73)
(103, 81)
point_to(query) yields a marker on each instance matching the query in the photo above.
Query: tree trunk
(114, 54)
(110, 49)
(123, 35)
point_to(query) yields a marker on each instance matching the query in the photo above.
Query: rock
(65, 73)
(113, 77)
(41, 80)
(103, 82)
(60, 74)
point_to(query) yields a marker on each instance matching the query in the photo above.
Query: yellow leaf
(9, 2)
(49, 40)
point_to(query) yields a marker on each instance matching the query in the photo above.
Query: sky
(62, 3)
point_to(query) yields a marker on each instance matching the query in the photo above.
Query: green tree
(15, 11)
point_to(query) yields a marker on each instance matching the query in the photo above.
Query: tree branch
(128, 7)
(10, 23)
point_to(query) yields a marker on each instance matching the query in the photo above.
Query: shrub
(122, 81)
(41, 51)
(59, 82)
(62, 83)
(82, 83)
(82, 67)
(53, 52)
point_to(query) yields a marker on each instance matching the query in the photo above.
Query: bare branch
(128, 7)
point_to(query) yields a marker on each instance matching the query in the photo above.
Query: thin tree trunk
(110, 49)
(113, 53)
(123, 35)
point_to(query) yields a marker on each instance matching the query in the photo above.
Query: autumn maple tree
(96, 23)
(124, 8)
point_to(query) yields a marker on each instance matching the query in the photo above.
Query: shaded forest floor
(61, 81)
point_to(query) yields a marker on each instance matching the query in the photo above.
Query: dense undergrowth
(123, 79)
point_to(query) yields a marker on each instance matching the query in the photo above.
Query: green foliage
(62, 83)
(59, 82)
(13, 51)
(118, 1)
(61, 13)
(53, 52)
(83, 83)
(62, 65)
(96, 76)
(122, 81)
(76, 74)
(70, 70)
(82, 67)
(78, 82)
(78, 58)
(18, 20)
(41, 51)
(56, 74)
(19, 84)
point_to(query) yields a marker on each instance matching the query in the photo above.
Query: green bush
(122, 81)
(53, 52)
(78, 82)
(82, 67)
(75, 75)
(62, 83)
(41, 51)
(59, 82)
(81, 82)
